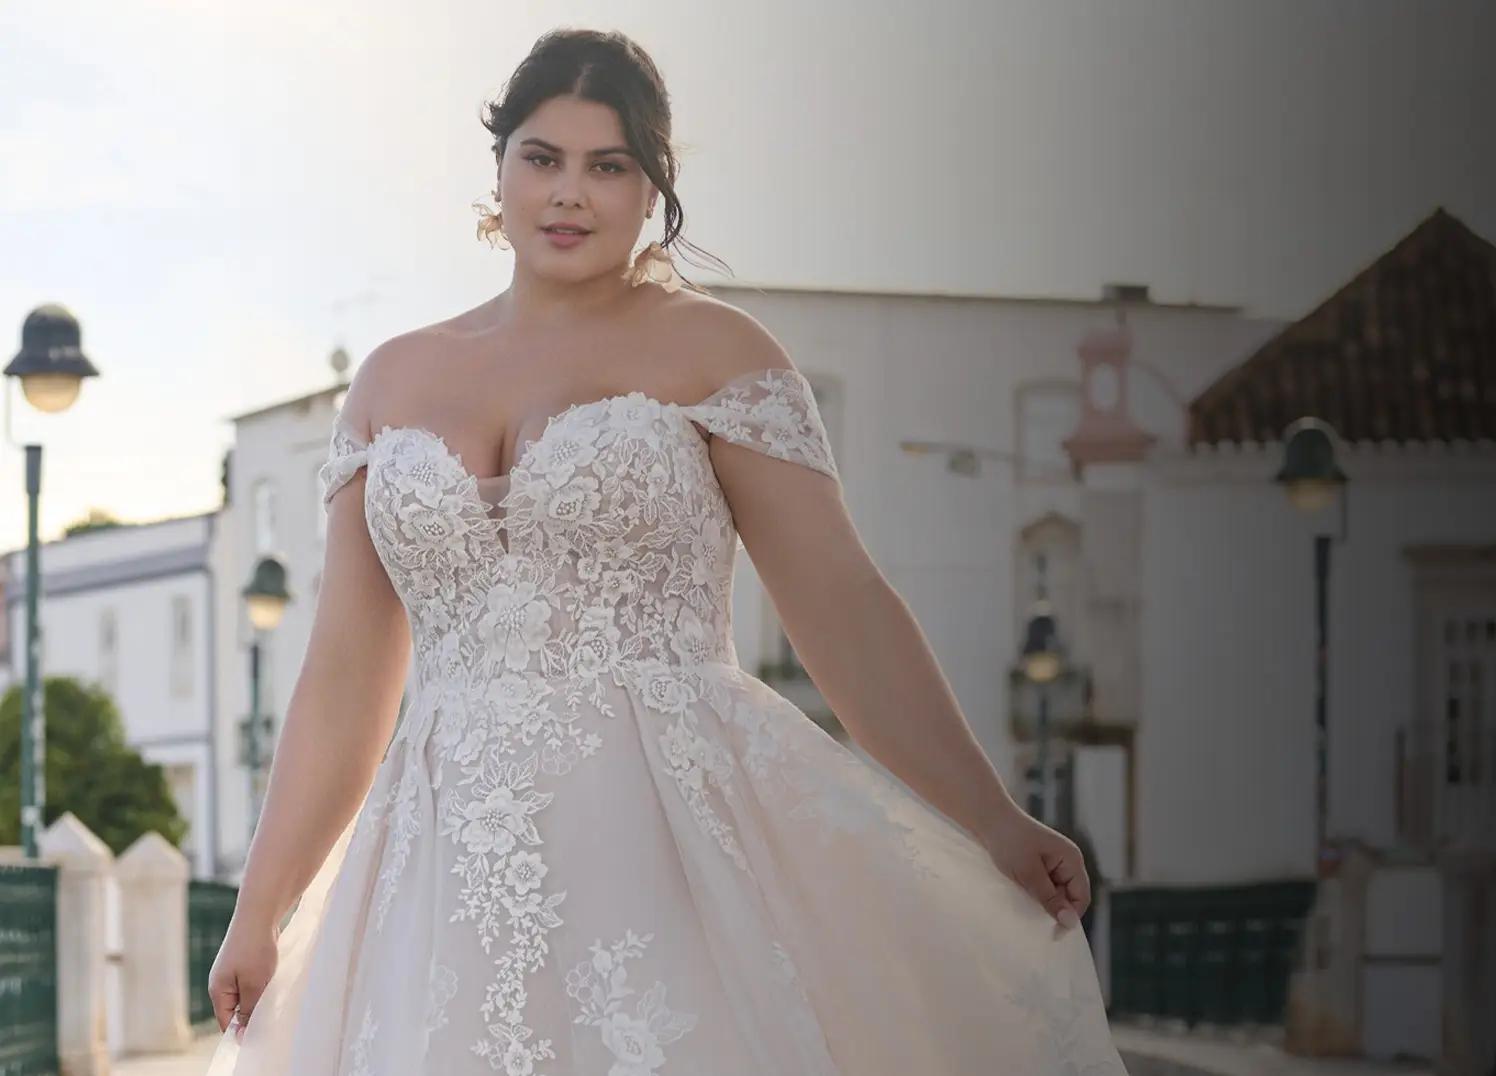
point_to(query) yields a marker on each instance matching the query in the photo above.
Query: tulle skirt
(704, 882)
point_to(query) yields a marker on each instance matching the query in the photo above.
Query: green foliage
(91, 771)
(96, 520)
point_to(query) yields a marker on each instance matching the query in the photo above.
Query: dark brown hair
(610, 68)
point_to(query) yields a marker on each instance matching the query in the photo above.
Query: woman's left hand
(1047, 864)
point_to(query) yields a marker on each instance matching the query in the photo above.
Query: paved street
(191, 1063)
(1148, 1052)
(1153, 1052)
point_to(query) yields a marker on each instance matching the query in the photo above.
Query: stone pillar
(1325, 991)
(152, 877)
(83, 864)
(1469, 962)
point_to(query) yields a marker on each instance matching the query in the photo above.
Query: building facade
(133, 609)
(1225, 636)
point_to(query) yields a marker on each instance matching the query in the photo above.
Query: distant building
(132, 608)
(1207, 573)
(1402, 363)
(274, 507)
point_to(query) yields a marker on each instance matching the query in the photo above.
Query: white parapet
(83, 864)
(152, 876)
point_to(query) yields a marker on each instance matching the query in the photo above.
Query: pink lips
(566, 239)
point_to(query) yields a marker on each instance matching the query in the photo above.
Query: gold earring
(653, 265)
(491, 225)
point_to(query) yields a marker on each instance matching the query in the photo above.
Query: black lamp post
(51, 367)
(1312, 477)
(1042, 661)
(265, 599)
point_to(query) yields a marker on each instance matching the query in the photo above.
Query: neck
(531, 301)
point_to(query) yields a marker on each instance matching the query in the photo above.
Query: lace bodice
(612, 549)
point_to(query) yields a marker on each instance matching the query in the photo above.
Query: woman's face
(569, 163)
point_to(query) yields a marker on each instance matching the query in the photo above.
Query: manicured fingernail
(1068, 918)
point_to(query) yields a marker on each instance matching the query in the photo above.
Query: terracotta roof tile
(1405, 352)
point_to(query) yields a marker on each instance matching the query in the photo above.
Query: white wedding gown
(597, 846)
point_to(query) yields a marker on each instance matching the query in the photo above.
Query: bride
(593, 843)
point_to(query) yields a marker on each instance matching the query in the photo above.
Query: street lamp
(1311, 477)
(265, 599)
(1042, 660)
(51, 367)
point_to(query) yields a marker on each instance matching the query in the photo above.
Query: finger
(1080, 892)
(224, 1002)
(1069, 874)
(249, 997)
(1037, 881)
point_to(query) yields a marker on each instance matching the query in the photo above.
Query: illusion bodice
(611, 549)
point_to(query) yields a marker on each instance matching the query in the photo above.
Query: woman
(595, 845)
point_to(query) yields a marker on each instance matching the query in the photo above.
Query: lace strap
(773, 411)
(346, 453)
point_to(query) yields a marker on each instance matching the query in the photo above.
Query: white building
(1210, 574)
(274, 508)
(132, 608)
(1396, 362)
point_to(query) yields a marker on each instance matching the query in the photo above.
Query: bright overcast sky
(223, 191)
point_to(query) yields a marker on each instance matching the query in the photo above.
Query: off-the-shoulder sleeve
(773, 411)
(346, 453)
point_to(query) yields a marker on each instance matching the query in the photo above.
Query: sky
(224, 192)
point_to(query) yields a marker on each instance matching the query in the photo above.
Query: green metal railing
(28, 971)
(1221, 954)
(210, 906)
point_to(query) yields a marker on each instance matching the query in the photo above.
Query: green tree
(96, 520)
(91, 770)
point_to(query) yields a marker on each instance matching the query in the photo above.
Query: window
(1467, 663)
(181, 782)
(263, 501)
(1048, 413)
(109, 650)
(1444, 761)
(181, 645)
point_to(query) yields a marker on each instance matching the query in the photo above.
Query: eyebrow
(543, 144)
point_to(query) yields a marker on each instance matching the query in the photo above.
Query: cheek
(523, 194)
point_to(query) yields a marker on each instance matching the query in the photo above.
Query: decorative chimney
(1106, 432)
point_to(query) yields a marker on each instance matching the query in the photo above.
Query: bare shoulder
(391, 371)
(727, 340)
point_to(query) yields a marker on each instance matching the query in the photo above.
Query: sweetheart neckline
(524, 458)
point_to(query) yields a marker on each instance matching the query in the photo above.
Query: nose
(567, 191)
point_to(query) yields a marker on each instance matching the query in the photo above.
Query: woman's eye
(537, 158)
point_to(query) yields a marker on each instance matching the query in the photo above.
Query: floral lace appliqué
(636, 1035)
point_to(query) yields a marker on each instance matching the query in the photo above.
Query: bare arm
(338, 721)
(341, 713)
(866, 653)
(856, 635)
